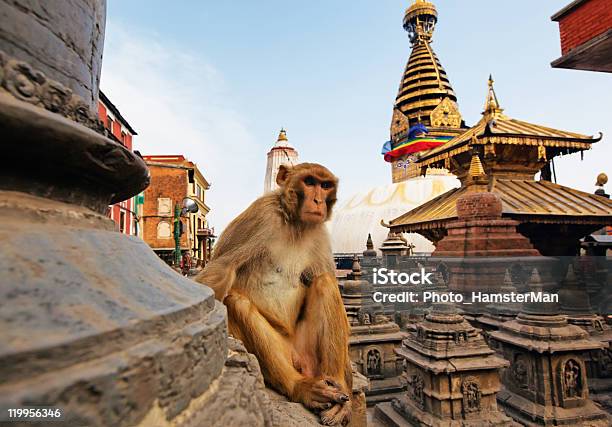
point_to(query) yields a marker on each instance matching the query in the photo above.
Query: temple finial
(282, 135)
(476, 169)
(492, 107)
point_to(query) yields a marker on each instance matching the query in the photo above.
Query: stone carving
(521, 371)
(471, 395)
(460, 337)
(27, 84)
(572, 379)
(415, 389)
(366, 319)
(374, 362)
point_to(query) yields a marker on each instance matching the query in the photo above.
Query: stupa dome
(356, 216)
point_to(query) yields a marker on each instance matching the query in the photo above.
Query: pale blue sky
(216, 81)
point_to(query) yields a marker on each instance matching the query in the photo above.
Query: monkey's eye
(326, 185)
(310, 181)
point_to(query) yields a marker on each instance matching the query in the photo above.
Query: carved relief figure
(520, 371)
(572, 379)
(366, 318)
(374, 362)
(415, 389)
(471, 395)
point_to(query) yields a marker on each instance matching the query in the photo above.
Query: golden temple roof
(533, 201)
(497, 128)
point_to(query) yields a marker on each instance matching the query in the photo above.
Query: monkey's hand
(339, 414)
(318, 393)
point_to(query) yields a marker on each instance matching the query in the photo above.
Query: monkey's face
(308, 192)
(316, 192)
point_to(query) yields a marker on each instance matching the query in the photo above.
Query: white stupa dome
(361, 213)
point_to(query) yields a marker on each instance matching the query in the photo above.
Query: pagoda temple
(502, 155)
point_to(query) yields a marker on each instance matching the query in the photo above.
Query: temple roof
(539, 201)
(497, 128)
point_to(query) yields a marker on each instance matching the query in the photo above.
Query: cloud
(180, 104)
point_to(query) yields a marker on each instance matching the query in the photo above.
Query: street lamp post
(189, 206)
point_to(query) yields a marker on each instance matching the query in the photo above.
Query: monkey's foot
(339, 414)
(319, 393)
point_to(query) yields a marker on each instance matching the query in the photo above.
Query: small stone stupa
(547, 381)
(498, 313)
(369, 260)
(451, 375)
(373, 337)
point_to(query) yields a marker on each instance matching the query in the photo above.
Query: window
(109, 122)
(164, 206)
(164, 231)
(123, 138)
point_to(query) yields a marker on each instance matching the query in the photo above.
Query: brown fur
(273, 269)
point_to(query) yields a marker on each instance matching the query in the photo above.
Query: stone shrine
(373, 337)
(547, 380)
(451, 375)
(576, 305)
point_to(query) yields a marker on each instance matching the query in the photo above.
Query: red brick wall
(165, 182)
(587, 20)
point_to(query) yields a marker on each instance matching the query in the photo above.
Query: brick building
(172, 179)
(125, 213)
(585, 27)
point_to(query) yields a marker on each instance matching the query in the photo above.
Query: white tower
(282, 153)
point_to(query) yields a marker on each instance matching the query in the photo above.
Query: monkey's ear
(282, 175)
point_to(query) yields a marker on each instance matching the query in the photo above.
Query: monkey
(273, 269)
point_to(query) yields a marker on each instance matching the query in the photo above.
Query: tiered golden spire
(282, 135)
(424, 85)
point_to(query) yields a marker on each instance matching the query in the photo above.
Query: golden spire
(424, 84)
(492, 107)
(282, 135)
(476, 169)
(419, 20)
